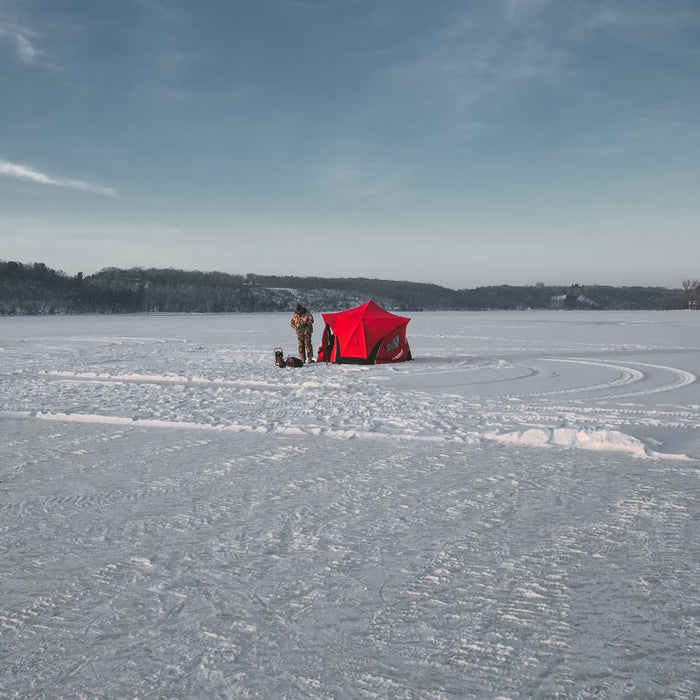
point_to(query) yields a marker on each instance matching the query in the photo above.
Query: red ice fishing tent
(365, 335)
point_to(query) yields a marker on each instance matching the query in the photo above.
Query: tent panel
(365, 333)
(351, 337)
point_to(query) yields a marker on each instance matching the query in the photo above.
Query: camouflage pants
(305, 347)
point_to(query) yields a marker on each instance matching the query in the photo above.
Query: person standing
(303, 323)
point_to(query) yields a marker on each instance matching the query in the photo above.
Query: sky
(460, 143)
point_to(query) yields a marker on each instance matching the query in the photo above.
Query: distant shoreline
(35, 289)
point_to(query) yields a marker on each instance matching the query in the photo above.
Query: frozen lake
(513, 514)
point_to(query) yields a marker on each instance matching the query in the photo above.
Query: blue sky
(461, 143)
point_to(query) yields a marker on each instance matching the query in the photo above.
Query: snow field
(180, 518)
(613, 398)
(171, 563)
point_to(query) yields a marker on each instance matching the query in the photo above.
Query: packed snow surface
(512, 514)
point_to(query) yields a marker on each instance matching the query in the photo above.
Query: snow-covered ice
(513, 514)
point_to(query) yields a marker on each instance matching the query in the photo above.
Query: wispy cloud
(24, 172)
(653, 132)
(364, 179)
(643, 17)
(474, 59)
(479, 59)
(20, 40)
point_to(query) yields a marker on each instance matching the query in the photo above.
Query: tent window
(393, 343)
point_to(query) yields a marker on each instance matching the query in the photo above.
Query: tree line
(34, 288)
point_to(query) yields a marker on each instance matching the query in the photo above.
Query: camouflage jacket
(302, 321)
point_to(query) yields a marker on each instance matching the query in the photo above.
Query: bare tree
(691, 289)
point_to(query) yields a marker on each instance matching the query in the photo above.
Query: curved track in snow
(159, 382)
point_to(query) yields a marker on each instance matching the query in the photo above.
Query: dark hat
(300, 307)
